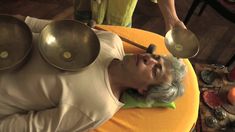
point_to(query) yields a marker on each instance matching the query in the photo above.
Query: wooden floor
(216, 34)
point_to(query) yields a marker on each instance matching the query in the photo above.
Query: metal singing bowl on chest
(15, 42)
(69, 45)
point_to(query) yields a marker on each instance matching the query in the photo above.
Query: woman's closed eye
(156, 69)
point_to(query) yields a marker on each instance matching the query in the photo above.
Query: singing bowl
(15, 42)
(181, 43)
(69, 45)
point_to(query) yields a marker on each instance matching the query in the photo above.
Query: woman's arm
(64, 118)
(171, 19)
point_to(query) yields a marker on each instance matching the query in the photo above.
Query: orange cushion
(181, 119)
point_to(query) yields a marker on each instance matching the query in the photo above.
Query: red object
(231, 75)
(211, 99)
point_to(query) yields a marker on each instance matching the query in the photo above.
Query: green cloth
(98, 10)
(119, 12)
(114, 12)
(132, 99)
(111, 12)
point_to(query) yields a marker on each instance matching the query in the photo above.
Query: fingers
(174, 24)
(180, 24)
(20, 17)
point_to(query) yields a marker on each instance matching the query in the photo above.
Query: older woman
(38, 97)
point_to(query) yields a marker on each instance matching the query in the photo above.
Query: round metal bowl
(15, 42)
(68, 45)
(181, 43)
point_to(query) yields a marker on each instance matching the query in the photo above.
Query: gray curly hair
(168, 91)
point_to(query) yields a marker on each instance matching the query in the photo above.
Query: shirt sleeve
(36, 25)
(112, 41)
(65, 118)
(119, 45)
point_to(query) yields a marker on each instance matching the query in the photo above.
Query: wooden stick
(124, 39)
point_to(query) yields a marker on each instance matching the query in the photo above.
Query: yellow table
(181, 119)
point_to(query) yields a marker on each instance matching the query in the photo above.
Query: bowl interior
(68, 45)
(182, 43)
(15, 41)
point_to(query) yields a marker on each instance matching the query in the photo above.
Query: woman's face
(145, 69)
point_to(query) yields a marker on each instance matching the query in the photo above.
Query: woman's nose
(149, 60)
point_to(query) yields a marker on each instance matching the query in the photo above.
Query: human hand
(173, 24)
(20, 17)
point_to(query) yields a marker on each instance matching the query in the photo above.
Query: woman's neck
(115, 77)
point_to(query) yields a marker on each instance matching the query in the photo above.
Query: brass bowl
(69, 45)
(181, 43)
(15, 42)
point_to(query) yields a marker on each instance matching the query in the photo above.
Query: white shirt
(40, 98)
